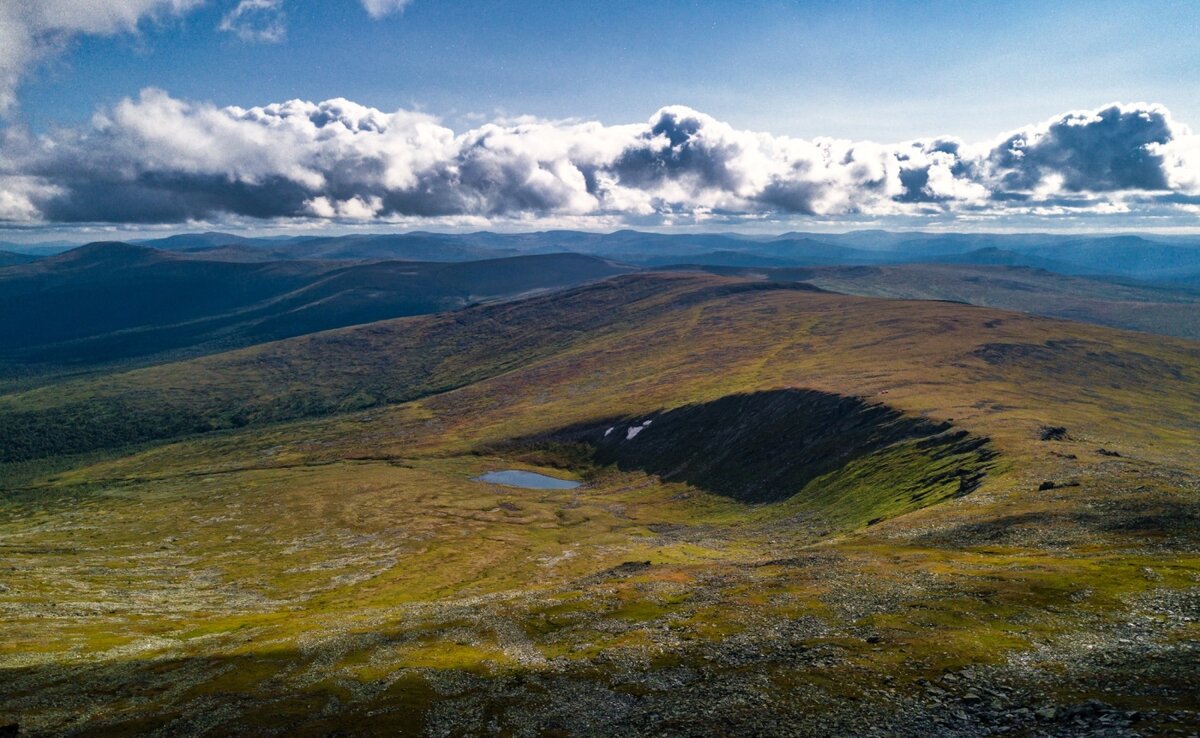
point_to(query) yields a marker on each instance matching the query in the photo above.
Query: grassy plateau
(837, 515)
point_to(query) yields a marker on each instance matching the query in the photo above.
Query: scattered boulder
(1054, 433)
(1055, 485)
(628, 568)
(1091, 708)
(1106, 452)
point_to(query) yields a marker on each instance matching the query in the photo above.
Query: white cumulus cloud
(160, 159)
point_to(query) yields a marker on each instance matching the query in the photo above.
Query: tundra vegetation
(833, 518)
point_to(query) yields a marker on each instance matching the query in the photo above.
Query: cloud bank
(159, 159)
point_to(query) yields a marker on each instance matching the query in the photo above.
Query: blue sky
(875, 72)
(883, 70)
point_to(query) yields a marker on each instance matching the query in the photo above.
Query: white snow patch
(610, 430)
(636, 429)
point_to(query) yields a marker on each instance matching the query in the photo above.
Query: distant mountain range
(1164, 259)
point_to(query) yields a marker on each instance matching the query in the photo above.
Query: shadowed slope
(111, 302)
(9, 258)
(768, 446)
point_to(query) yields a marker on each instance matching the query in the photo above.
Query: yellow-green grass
(346, 568)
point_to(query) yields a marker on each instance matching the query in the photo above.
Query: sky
(270, 115)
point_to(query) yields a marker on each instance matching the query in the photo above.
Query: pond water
(528, 480)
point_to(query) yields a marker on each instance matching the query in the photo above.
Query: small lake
(528, 480)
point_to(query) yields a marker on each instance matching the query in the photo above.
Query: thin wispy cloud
(256, 20)
(34, 30)
(159, 159)
(380, 8)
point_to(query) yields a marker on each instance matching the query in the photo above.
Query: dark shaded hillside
(110, 302)
(767, 446)
(8, 258)
(718, 259)
(370, 292)
(107, 287)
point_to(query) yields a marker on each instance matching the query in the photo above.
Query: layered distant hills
(117, 304)
(1165, 259)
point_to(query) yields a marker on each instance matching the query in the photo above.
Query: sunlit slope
(341, 570)
(1143, 307)
(1136, 307)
